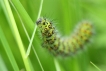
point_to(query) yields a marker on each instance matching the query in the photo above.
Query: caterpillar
(64, 46)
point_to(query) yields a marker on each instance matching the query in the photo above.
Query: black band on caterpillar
(68, 45)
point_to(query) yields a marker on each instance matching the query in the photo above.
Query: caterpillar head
(45, 27)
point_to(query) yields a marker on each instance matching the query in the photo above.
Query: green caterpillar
(64, 46)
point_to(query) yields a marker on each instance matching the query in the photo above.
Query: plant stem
(58, 65)
(95, 66)
(15, 32)
(31, 40)
(8, 51)
(29, 49)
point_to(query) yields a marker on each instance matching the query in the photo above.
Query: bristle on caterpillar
(58, 45)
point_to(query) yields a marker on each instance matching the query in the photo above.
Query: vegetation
(18, 26)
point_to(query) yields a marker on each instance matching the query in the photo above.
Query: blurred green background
(65, 15)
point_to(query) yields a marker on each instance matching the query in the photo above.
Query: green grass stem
(12, 23)
(95, 66)
(2, 65)
(8, 51)
(29, 49)
(32, 37)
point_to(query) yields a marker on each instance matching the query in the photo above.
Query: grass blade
(24, 15)
(8, 51)
(12, 23)
(31, 40)
(29, 49)
(57, 65)
(2, 65)
(95, 66)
